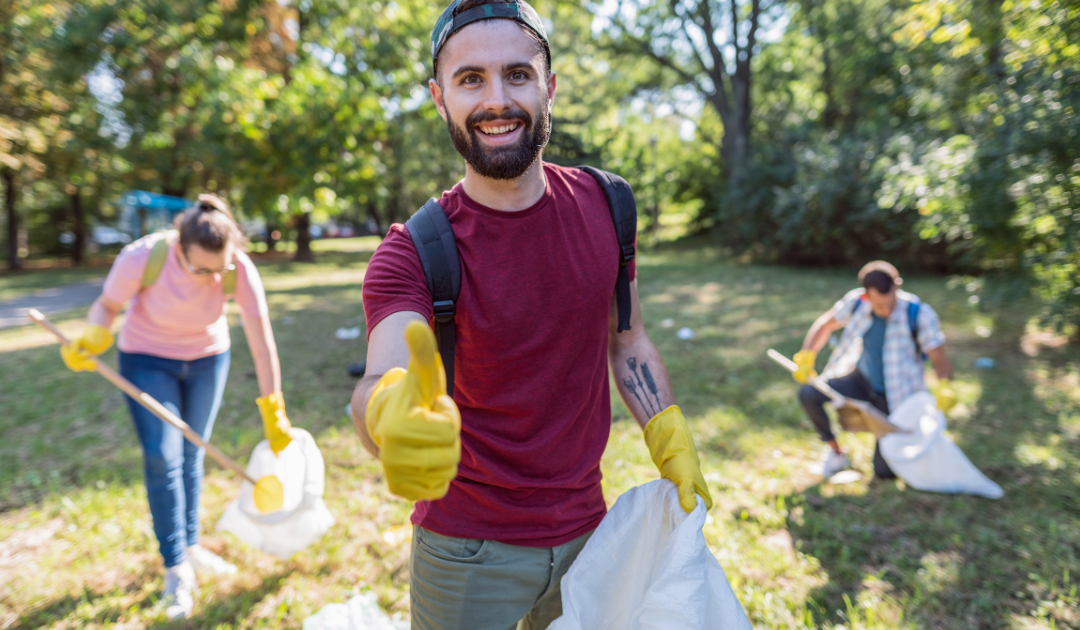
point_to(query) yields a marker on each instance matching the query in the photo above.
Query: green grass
(15, 284)
(76, 549)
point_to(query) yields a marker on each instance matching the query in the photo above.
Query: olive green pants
(470, 584)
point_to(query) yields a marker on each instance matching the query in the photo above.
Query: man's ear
(552, 85)
(437, 96)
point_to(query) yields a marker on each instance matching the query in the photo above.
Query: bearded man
(506, 469)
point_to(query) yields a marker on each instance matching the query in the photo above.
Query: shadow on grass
(63, 608)
(954, 561)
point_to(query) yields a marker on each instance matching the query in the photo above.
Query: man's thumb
(424, 366)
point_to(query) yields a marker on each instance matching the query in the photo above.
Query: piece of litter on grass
(348, 411)
(667, 323)
(983, 331)
(777, 454)
(348, 333)
(845, 477)
(984, 363)
(685, 334)
(398, 534)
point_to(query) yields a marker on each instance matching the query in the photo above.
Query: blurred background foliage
(940, 134)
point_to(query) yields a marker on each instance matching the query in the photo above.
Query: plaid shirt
(902, 365)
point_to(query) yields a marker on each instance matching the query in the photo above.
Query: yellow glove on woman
(946, 397)
(673, 452)
(805, 360)
(79, 354)
(275, 423)
(415, 424)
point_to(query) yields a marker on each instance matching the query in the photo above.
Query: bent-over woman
(174, 345)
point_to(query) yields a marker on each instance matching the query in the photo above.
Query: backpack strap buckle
(444, 311)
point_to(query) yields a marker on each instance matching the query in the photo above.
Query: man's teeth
(495, 131)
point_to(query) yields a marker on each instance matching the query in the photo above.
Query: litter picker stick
(855, 415)
(145, 400)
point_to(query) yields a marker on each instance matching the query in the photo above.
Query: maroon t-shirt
(531, 374)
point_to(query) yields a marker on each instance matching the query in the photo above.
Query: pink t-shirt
(180, 316)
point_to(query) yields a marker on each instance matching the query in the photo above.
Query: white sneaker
(206, 561)
(831, 463)
(180, 587)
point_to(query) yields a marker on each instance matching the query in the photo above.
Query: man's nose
(497, 97)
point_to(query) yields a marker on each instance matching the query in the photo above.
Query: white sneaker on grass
(831, 463)
(206, 561)
(180, 587)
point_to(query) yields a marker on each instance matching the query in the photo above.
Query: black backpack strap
(434, 241)
(620, 198)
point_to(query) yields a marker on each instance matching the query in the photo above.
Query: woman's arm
(103, 311)
(260, 337)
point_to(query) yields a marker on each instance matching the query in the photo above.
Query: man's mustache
(485, 116)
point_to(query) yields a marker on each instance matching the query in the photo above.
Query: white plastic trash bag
(359, 613)
(925, 458)
(303, 517)
(647, 567)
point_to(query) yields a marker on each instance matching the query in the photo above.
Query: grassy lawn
(77, 550)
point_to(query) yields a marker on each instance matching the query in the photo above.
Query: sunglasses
(202, 271)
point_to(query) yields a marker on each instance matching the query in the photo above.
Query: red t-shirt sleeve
(394, 280)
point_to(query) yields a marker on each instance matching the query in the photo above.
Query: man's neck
(508, 195)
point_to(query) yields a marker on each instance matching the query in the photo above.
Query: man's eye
(472, 78)
(518, 76)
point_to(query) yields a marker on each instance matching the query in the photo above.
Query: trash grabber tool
(269, 494)
(854, 415)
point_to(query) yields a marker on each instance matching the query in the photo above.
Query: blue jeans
(172, 466)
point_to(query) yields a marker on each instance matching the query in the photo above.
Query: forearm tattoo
(642, 386)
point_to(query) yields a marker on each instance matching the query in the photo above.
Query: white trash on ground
(347, 333)
(359, 613)
(647, 567)
(685, 334)
(303, 517)
(925, 458)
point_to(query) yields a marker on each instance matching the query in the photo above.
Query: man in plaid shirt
(879, 358)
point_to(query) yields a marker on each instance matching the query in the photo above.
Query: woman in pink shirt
(174, 345)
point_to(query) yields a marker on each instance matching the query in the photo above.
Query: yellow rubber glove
(805, 360)
(79, 354)
(275, 423)
(672, 449)
(946, 397)
(415, 424)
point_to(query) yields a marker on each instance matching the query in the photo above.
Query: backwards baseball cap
(517, 10)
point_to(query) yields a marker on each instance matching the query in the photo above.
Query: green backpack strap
(158, 254)
(228, 281)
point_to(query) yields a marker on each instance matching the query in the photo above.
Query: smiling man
(505, 467)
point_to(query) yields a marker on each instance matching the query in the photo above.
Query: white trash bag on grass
(362, 612)
(925, 458)
(303, 517)
(647, 567)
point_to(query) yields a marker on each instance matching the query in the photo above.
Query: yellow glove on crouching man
(946, 396)
(672, 449)
(276, 424)
(80, 354)
(416, 426)
(805, 360)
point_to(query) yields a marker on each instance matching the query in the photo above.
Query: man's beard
(506, 162)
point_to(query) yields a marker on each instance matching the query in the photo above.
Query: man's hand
(805, 360)
(672, 449)
(416, 426)
(946, 397)
(80, 354)
(276, 424)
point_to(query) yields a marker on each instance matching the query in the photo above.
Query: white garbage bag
(647, 567)
(359, 613)
(925, 458)
(303, 517)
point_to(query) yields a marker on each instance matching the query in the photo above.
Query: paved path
(54, 300)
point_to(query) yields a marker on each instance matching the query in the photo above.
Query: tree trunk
(373, 212)
(12, 220)
(303, 239)
(78, 223)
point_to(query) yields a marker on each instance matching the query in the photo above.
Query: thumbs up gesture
(416, 426)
